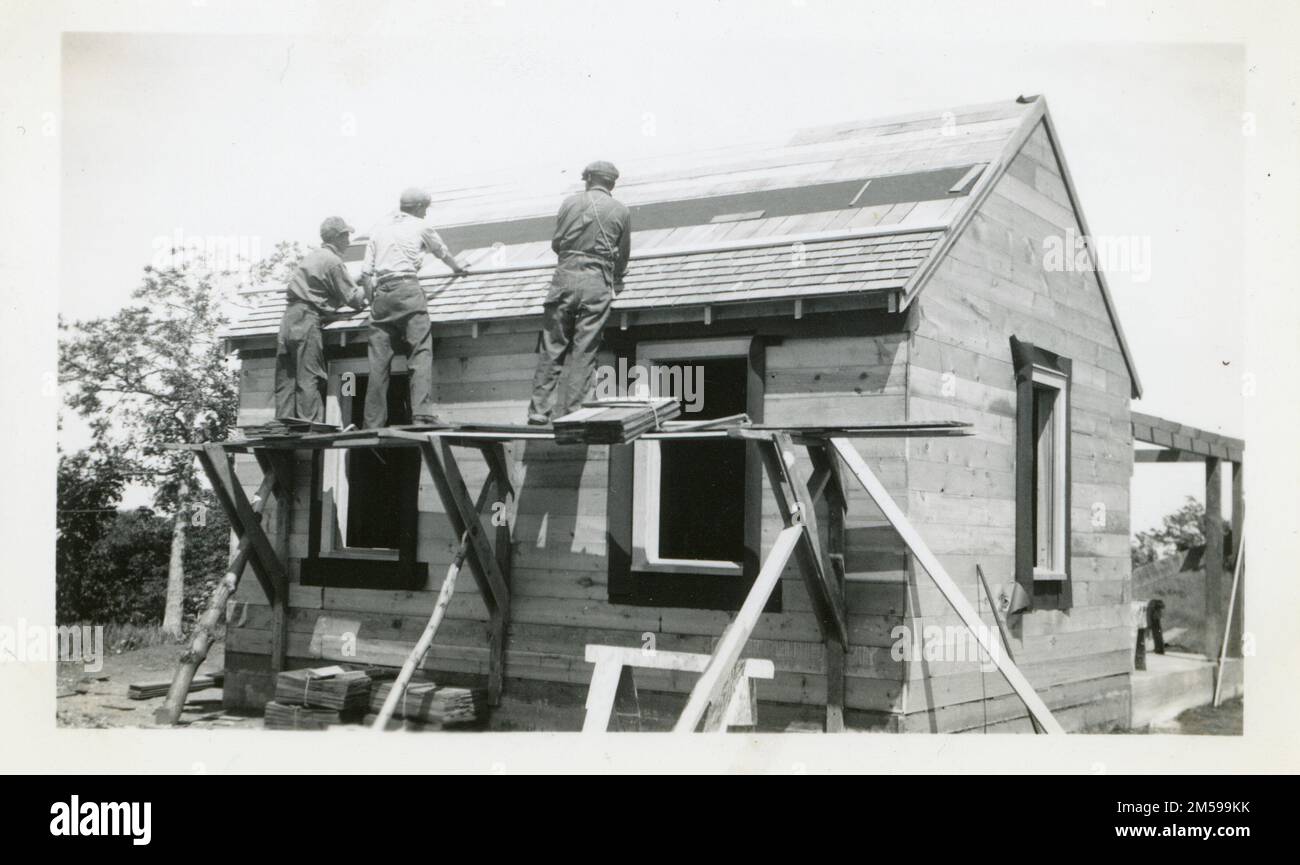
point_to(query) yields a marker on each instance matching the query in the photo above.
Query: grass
(1226, 720)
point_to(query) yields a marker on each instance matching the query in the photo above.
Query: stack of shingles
(315, 698)
(283, 717)
(285, 426)
(428, 706)
(614, 421)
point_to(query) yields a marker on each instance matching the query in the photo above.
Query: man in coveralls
(318, 288)
(399, 310)
(593, 237)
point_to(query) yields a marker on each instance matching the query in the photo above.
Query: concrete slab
(1177, 681)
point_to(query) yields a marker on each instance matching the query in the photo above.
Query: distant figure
(1155, 621)
(319, 287)
(593, 237)
(399, 311)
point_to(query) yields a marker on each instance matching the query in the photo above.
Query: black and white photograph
(509, 387)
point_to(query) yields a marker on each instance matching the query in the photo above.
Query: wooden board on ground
(149, 690)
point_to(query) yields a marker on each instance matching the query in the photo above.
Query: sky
(258, 137)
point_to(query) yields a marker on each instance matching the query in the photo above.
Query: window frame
(334, 480)
(1037, 369)
(647, 475)
(663, 589)
(1046, 379)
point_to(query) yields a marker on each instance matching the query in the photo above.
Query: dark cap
(334, 226)
(602, 168)
(414, 196)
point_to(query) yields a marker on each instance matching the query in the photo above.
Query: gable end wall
(991, 285)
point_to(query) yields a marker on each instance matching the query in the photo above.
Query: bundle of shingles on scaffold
(317, 697)
(426, 705)
(614, 421)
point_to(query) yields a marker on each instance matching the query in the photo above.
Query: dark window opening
(702, 483)
(1045, 502)
(709, 504)
(383, 491)
(383, 483)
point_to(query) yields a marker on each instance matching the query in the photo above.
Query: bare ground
(99, 699)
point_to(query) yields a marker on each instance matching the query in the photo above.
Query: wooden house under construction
(883, 272)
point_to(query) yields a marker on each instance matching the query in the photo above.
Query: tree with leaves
(1181, 531)
(155, 374)
(89, 489)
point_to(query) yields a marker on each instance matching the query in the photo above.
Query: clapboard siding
(560, 584)
(848, 381)
(991, 285)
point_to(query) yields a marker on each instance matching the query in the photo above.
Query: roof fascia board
(1136, 383)
(871, 301)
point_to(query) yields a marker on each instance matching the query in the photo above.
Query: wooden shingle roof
(856, 209)
(817, 269)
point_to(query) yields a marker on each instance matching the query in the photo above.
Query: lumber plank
(713, 680)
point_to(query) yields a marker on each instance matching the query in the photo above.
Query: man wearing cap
(399, 310)
(320, 285)
(593, 237)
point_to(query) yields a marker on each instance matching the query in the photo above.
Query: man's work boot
(538, 420)
(425, 420)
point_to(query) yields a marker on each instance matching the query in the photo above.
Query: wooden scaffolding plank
(501, 475)
(796, 507)
(278, 466)
(832, 492)
(466, 522)
(244, 520)
(709, 689)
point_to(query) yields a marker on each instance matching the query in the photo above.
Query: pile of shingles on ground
(319, 697)
(285, 426)
(428, 706)
(614, 421)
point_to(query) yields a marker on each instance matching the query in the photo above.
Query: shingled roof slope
(866, 202)
(860, 208)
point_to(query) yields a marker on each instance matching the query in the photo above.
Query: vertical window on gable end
(1042, 475)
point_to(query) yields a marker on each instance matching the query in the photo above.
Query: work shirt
(397, 246)
(322, 282)
(594, 225)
